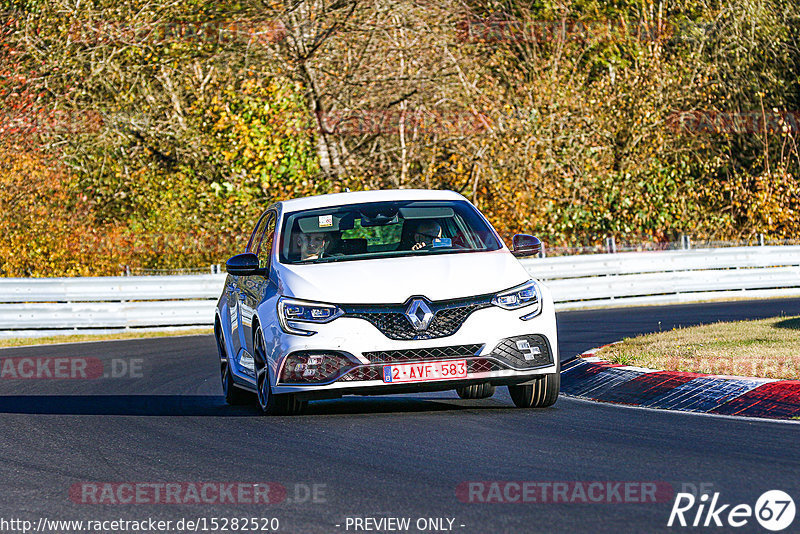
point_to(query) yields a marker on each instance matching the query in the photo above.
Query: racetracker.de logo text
(548, 492)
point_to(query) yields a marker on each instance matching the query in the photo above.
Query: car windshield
(384, 229)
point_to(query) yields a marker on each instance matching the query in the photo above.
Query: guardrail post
(542, 253)
(686, 242)
(760, 240)
(611, 245)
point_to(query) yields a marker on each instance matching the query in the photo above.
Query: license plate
(423, 372)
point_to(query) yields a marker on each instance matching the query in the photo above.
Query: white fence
(62, 305)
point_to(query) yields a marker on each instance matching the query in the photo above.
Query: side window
(258, 232)
(265, 241)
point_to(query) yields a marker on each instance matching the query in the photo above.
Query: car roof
(361, 197)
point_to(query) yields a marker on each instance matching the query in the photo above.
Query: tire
(476, 391)
(270, 403)
(540, 394)
(234, 396)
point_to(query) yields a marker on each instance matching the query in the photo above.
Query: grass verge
(768, 348)
(78, 338)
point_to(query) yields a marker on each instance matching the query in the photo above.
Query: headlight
(293, 313)
(527, 294)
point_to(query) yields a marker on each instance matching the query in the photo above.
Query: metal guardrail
(30, 306)
(643, 278)
(50, 306)
(109, 289)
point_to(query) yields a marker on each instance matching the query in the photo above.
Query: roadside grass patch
(767, 348)
(79, 338)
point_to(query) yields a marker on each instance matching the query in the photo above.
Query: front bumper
(489, 340)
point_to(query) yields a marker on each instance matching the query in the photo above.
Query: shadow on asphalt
(399, 405)
(159, 405)
(214, 405)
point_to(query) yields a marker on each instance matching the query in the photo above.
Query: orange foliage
(46, 228)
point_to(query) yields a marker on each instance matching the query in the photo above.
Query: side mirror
(242, 264)
(526, 245)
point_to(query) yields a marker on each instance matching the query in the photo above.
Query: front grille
(393, 323)
(509, 351)
(375, 372)
(482, 365)
(368, 372)
(433, 353)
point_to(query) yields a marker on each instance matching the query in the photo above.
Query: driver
(312, 245)
(425, 233)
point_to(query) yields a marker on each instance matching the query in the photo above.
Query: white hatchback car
(383, 292)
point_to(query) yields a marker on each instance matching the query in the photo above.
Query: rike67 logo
(774, 510)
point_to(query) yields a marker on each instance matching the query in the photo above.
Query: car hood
(394, 280)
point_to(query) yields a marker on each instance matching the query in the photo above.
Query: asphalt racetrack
(164, 421)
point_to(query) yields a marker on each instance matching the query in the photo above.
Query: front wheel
(233, 395)
(540, 394)
(270, 403)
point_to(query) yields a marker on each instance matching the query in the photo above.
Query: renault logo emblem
(420, 314)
